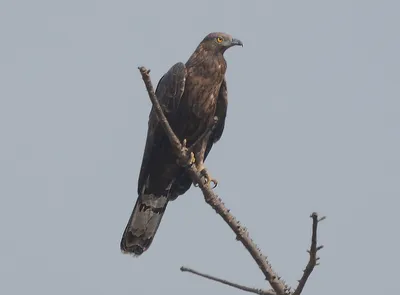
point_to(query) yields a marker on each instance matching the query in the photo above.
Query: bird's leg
(206, 177)
(192, 158)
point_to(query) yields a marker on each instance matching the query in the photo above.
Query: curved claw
(214, 182)
(208, 179)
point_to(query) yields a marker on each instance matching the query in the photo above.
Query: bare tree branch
(313, 261)
(225, 282)
(211, 198)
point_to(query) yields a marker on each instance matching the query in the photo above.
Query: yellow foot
(208, 179)
(192, 159)
(186, 162)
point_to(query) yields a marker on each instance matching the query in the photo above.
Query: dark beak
(236, 42)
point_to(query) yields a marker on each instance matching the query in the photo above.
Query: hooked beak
(236, 42)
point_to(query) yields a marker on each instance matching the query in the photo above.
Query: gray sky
(313, 125)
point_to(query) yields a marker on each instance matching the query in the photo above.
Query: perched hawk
(191, 95)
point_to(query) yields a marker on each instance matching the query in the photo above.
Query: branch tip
(313, 260)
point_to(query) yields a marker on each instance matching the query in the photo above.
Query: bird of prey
(191, 95)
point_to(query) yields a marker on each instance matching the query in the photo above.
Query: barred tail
(143, 223)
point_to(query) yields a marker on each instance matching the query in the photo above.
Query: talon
(215, 183)
(208, 179)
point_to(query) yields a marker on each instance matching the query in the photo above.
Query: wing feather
(169, 93)
(220, 112)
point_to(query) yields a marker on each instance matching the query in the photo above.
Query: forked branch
(313, 261)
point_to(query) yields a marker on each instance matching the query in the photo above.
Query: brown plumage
(191, 95)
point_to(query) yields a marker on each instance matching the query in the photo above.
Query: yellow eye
(219, 39)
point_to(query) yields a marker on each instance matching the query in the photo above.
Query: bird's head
(219, 42)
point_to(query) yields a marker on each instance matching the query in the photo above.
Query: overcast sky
(313, 125)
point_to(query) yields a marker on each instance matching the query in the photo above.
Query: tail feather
(143, 223)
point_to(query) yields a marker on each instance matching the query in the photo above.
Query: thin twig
(313, 261)
(225, 282)
(212, 199)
